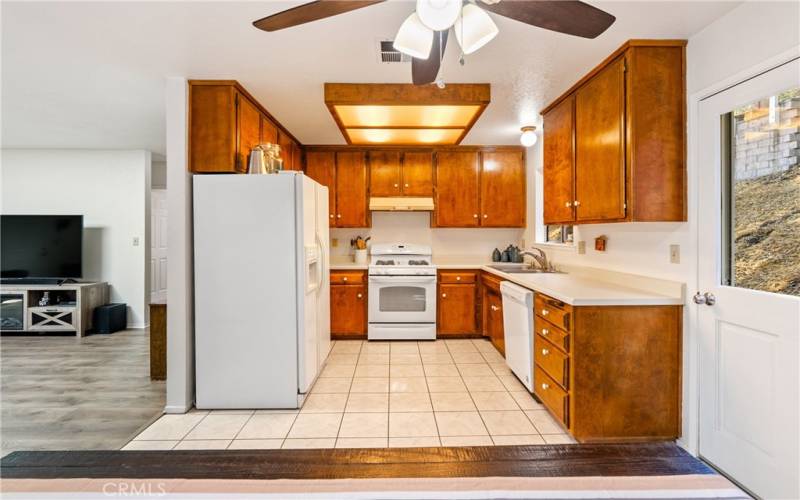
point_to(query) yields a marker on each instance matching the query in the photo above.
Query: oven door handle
(399, 280)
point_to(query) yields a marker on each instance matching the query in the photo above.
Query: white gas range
(402, 293)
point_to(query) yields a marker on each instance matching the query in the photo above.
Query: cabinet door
(351, 189)
(384, 173)
(297, 157)
(417, 173)
(503, 189)
(321, 166)
(456, 309)
(287, 150)
(559, 163)
(248, 123)
(212, 128)
(457, 174)
(348, 310)
(495, 321)
(600, 145)
(269, 132)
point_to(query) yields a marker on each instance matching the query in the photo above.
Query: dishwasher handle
(516, 293)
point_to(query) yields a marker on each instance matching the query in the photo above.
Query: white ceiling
(91, 75)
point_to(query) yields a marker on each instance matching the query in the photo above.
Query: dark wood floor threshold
(481, 461)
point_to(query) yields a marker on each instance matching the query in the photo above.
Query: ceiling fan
(423, 35)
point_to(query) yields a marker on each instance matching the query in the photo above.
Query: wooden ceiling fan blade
(312, 11)
(424, 71)
(565, 16)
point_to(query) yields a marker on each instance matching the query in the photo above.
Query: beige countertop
(576, 286)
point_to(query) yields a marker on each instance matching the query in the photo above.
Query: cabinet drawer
(554, 397)
(347, 277)
(457, 277)
(556, 312)
(552, 333)
(552, 361)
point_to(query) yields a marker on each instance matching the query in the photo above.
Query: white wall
(111, 189)
(731, 49)
(414, 227)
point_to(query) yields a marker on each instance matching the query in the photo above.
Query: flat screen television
(41, 246)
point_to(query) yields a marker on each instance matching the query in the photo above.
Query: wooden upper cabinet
(289, 151)
(269, 131)
(629, 137)
(351, 189)
(384, 173)
(417, 173)
(225, 123)
(321, 166)
(457, 188)
(248, 120)
(503, 189)
(600, 146)
(559, 163)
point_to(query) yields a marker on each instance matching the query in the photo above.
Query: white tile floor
(379, 394)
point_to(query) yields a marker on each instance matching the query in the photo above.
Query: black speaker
(110, 318)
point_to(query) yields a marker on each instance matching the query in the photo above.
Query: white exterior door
(748, 308)
(158, 245)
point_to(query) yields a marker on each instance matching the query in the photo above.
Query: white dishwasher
(518, 331)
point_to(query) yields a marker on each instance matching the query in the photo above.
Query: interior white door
(158, 245)
(748, 324)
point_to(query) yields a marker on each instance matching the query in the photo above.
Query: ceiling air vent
(389, 54)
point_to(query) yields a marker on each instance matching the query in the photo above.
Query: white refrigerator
(262, 289)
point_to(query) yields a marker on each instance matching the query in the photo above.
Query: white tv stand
(70, 308)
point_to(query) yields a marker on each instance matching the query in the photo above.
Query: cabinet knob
(331, 216)
(545, 312)
(458, 278)
(545, 386)
(568, 204)
(344, 278)
(444, 295)
(545, 332)
(406, 184)
(359, 295)
(485, 216)
(577, 203)
(338, 216)
(474, 216)
(396, 185)
(495, 308)
(545, 352)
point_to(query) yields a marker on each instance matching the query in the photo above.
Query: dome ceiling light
(528, 137)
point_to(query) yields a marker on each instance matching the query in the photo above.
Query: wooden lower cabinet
(348, 304)
(492, 311)
(456, 307)
(609, 373)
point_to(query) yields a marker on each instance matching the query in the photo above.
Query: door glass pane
(761, 202)
(402, 299)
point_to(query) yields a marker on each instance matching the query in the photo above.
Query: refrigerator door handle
(322, 266)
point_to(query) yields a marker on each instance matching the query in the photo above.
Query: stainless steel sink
(521, 269)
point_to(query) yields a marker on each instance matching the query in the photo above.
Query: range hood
(401, 204)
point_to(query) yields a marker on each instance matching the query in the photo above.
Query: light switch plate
(675, 254)
(581, 247)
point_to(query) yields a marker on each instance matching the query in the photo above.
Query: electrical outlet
(581, 247)
(334, 242)
(136, 241)
(675, 254)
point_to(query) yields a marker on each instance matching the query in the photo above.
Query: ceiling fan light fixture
(474, 28)
(438, 15)
(528, 137)
(414, 38)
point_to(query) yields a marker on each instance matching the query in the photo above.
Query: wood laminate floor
(70, 393)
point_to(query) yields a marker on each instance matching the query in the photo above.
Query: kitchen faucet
(538, 255)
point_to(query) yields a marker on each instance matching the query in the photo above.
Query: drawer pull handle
(545, 312)
(495, 308)
(359, 295)
(344, 278)
(444, 295)
(545, 352)
(545, 332)
(545, 387)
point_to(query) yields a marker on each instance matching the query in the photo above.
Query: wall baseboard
(176, 409)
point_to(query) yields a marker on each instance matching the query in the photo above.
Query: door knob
(707, 298)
